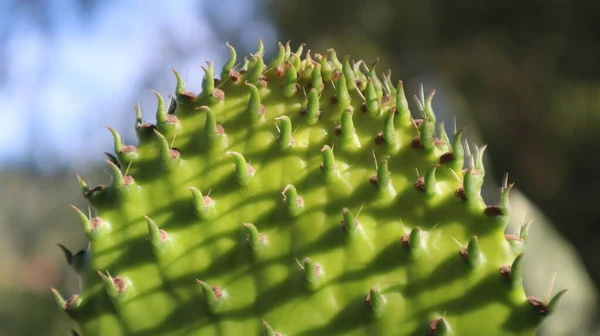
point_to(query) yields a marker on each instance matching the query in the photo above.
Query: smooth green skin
(418, 285)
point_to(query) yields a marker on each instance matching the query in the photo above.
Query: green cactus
(298, 197)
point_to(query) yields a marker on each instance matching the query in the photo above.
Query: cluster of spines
(308, 76)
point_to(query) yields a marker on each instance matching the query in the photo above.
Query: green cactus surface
(298, 197)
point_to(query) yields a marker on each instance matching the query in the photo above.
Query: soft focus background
(524, 75)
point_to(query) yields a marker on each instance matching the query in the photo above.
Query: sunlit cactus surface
(298, 196)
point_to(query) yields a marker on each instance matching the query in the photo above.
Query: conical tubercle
(157, 237)
(115, 287)
(204, 204)
(213, 295)
(328, 167)
(256, 240)
(65, 305)
(294, 202)
(243, 170)
(93, 227)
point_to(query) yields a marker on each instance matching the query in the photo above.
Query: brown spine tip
(511, 237)
(219, 94)
(420, 184)
(280, 71)
(505, 271)
(263, 81)
(418, 122)
(120, 284)
(386, 99)
(446, 157)
(368, 298)
(220, 130)
(95, 223)
(317, 270)
(189, 95)
(493, 211)
(94, 190)
(438, 142)
(343, 224)
(363, 108)
(234, 76)
(128, 180)
(163, 235)
(460, 193)
(433, 326)
(218, 292)
(416, 142)
(406, 240)
(174, 153)
(463, 253)
(335, 75)
(473, 171)
(540, 307)
(70, 302)
(379, 139)
(297, 88)
(373, 180)
(128, 149)
(171, 119)
(338, 130)
(148, 125)
(250, 169)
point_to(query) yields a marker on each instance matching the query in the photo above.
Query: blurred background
(524, 75)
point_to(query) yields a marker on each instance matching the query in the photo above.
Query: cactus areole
(297, 197)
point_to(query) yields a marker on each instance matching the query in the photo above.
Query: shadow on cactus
(298, 197)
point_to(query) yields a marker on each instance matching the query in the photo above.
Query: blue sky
(58, 91)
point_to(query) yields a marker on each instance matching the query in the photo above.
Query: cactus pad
(298, 197)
